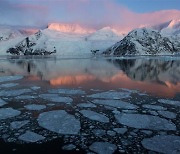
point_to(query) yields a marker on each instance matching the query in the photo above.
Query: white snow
(8, 113)
(18, 124)
(2, 102)
(103, 147)
(144, 121)
(31, 137)
(94, 116)
(56, 98)
(169, 102)
(59, 121)
(115, 103)
(10, 78)
(111, 95)
(169, 144)
(67, 91)
(35, 107)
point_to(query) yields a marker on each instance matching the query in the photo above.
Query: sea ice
(144, 121)
(94, 116)
(103, 147)
(167, 114)
(8, 113)
(154, 107)
(110, 95)
(69, 147)
(31, 137)
(25, 97)
(86, 105)
(2, 102)
(120, 130)
(35, 107)
(18, 124)
(10, 78)
(56, 98)
(68, 91)
(168, 144)
(99, 132)
(170, 102)
(59, 121)
(115, 103)
(35, 88)
(8, 85)
(11, 93)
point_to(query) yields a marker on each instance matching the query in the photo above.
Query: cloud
(92, 13)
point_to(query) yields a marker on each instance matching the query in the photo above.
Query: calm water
(81, 105)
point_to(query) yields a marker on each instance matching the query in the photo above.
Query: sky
(122, 14)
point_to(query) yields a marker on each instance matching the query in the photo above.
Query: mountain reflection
(155, 76)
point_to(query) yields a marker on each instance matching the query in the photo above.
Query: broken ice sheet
(115, 103)
(94, 116)
(67, 91)
(144, 121)
(56, 98)
(154, 107)
(18, 124)
(167, 114)
(169, 102)
(2, 102)
(31, 137)
(103, 147)
(59, 121)
(26, 97)
(35, 107)
(10, 78)
(8, 85)
(169, 144)
(110, 95)
(86, 105)
(8, 113)
(10, 93)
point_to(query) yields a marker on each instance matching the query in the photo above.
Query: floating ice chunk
(94, 116)
(86, 105)
(68, 91)
(103, 147)
(111, 133)
(143, 121)
(115, 103)
(2, 102)
(8, 113)
(154, 107)
(120, 130)
(10, 78)
(56, 98)
(170, 102)
(163, 144)
(99, 132)
(11, 93)
(110, 95)
(31, 137)
(147, 132)
(69, 147)
(35, 107)
(18, 124)
(26, 97)
(130, 90)
(8, 85)
(59, 121)
(35, 88)
(167, 114)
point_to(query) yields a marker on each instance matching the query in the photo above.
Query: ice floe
(67, 91)
(103, 147)
(31, 137)
(168, 144)
(110, 95)
(144, 121)
(18, 124)
(26, 97)
(69, 147)
(10, 78)
(8, 85)
(8, 113)
(56, 98)
(154, 107)
(94, 116)
(35, 88)
(115, 103)
(167, 114)
(35, 107)
(120, 130)
(86, 105)
(99, 132)
(169, 102)
(59, 121)
(11, 93)
(2, 102)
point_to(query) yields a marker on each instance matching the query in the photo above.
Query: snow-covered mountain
(142, 41)
(50, 41)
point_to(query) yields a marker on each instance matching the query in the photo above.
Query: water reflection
(155, 76)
